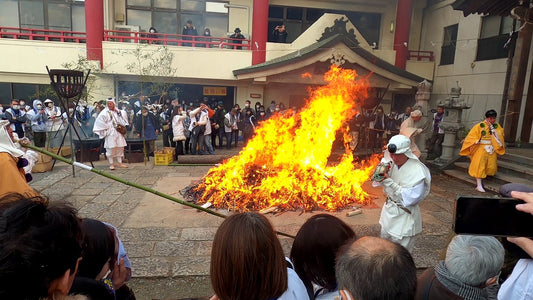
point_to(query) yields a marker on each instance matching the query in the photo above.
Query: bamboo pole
(133, 184)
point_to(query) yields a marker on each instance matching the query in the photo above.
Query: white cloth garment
(105, 127)
(408, 186)
(6, 144)
(519, 285)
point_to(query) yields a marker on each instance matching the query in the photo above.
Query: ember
(286, 166)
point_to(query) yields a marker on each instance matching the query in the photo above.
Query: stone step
(518, 159)
(506, 174)
(462, 175)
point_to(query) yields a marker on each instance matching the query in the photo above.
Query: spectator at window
(190, 30)
(237, 37)
(206, 38)
(152, 35)
(280, 34)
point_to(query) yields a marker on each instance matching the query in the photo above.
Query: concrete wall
(482, 82)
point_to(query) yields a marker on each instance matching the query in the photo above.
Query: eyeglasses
(392, 148)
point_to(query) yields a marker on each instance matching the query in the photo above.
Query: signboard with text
(215, 91)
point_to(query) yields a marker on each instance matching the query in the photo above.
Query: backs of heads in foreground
(314, 250)
(247, 261)
(98, 248)
(474, 259)
(375, 268)
(39, 242)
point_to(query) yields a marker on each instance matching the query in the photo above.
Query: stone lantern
(451, 123)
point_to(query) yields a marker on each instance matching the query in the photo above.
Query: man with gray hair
(375, 268)
(472, 264)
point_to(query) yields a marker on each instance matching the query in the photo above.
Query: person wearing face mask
(218, 119)
(261, 116)
(54, 124)
(38, 118)
(16, 118)
(250, 122)
(147, 126)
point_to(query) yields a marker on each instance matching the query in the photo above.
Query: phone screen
(491, 216)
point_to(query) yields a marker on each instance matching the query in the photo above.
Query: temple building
(482, 45)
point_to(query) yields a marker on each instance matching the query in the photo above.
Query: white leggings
(117, 152)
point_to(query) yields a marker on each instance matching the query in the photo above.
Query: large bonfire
(285, 165)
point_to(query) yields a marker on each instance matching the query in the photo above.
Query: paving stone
(177, 287)
(138, 248)
(152, 266)
(129, 234)
(105, 199)
(195, 265)
(159, 234)
(204, 248)
(175, 248)
(92, 210)
(198, 234)
(87, 191)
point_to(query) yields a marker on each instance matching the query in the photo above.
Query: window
(66, 15)
(447, 54)
(494, 35)
(298, 19)
(169, 16)
(27, 91)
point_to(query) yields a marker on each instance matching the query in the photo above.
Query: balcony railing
(124, 37)
(421, 55)
(175, 39)
(42, 35)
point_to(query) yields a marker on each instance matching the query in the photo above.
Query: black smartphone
(491, 216)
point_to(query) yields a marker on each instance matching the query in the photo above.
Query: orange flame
(286, 163)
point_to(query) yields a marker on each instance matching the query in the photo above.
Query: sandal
(111, 167)
(122, 166)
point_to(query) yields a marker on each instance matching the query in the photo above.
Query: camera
(491, 216)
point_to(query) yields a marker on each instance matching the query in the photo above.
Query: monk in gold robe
(12, 174)
(483, 144)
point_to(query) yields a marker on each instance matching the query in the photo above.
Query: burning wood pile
(285, 165)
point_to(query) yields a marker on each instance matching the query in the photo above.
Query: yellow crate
(163, 159)
(170, 150)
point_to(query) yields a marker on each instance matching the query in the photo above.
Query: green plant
(153, 67)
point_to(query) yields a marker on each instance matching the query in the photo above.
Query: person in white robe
(105, 126)
(406, 183)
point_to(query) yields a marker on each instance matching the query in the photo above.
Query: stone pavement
(169, 244)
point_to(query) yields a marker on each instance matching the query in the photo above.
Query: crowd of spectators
(45, 245)
(197, 128)
(48, 252)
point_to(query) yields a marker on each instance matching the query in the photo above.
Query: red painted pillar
(94, 26)
(401, 33)
(259, 31)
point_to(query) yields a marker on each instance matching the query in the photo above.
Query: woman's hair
(247, 261)
(39, 241)
(98, 248)
(315, 247)
(175, 111)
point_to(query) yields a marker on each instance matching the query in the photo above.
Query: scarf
(461, 289)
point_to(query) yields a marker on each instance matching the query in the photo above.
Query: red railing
(175, 39)
(124, 36)
(42, 34)
(421, 55)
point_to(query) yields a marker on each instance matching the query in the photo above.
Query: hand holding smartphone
(491, 216)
